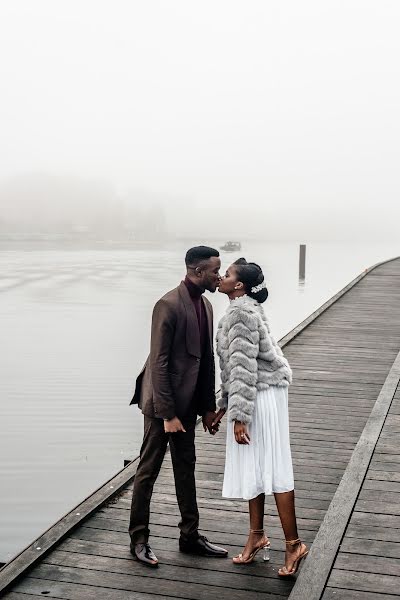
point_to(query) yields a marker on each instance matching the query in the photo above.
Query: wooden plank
(380, 534)
(179, 573)
(18, 596)
(379, 495)
(110, 538)
(384, 508)
(375, 520)
(340, 594)
(385, 486)
(304, 490)
(372, 548)
(363, 564)
(216, 524)
(35, 587)
(314, 575)
(171, 531)
(368, 582)
(383, 476)
(324, 473)
(210, 513)
(386, 459)
(385, 467)
(302, 450)
(136, 583)
(171, 556)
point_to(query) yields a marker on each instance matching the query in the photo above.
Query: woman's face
(229, 281)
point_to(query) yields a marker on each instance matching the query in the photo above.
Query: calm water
(74, 334)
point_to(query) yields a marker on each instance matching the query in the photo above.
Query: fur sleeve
(243, 346)
(222, 400)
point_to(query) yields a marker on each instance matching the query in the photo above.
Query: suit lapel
(192, 326)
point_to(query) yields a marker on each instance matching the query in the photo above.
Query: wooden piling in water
(302, 262)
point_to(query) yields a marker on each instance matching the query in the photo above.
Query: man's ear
(198, 271)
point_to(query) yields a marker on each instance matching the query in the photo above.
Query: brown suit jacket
(166, 385)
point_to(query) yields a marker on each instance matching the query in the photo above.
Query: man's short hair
(199, 253)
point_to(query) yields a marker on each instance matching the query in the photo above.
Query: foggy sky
(269, 116)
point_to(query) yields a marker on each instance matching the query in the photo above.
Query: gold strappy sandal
(283, 572)
(265, 546)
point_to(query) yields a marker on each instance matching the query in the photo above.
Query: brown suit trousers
(152, 453)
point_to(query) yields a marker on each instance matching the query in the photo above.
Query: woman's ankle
(294, 548)
(256, 532)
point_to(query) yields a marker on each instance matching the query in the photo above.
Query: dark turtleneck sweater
(195, 294)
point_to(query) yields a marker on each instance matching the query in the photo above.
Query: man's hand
(217, 418)
(173, 426)
(241, 433)
(208, 420)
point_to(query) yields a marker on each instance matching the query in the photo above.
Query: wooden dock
(345, 422)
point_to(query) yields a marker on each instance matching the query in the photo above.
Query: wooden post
(302, 262)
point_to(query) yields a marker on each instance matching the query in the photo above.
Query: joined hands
(211, 421)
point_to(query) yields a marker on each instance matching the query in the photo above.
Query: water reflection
(302, 285)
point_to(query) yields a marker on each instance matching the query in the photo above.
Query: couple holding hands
(177, 384)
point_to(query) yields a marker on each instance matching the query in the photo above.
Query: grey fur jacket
(249, 358)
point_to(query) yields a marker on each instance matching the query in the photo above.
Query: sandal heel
(283, 572)
(239, 560)
(266, 554)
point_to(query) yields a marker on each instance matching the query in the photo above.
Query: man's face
(209, 272)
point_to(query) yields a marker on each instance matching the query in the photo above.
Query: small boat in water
(231, 246)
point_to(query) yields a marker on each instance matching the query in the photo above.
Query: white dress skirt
(265, 465)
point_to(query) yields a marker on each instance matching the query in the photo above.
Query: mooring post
(302, 262)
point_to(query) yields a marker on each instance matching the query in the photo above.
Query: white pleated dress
(265, 465)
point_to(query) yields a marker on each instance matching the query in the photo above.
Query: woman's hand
(241, 433)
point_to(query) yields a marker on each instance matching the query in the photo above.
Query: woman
(254, 390)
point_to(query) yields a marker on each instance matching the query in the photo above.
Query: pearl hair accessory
(258, 288)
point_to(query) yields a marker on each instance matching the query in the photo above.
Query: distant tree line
(70, 206)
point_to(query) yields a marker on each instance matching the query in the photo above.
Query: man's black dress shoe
(202, 547)
(144, 554)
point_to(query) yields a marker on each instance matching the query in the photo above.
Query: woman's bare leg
(256, 511)
(287, 515)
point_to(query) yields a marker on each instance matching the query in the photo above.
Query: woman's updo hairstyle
(251, 275)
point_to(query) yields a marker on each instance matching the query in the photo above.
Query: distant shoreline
(36, 243)
(79, 244)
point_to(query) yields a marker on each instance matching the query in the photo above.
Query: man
(177, 384)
